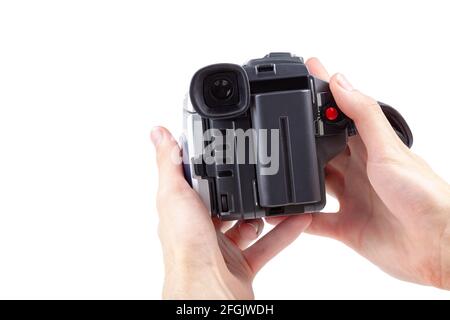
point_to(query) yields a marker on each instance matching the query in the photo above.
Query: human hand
(202, 260)
(394, 210)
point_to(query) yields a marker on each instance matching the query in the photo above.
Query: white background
(83, 82)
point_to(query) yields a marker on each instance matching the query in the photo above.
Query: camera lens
(222, 89)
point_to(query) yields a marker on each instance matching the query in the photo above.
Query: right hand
(394, 210)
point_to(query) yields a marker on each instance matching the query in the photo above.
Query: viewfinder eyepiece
(220, 91)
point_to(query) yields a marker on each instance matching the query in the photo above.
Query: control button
(331, 113)
(279, 55)
(224, 202)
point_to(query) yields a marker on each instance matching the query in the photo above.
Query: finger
(341, 161)
(245, 232)
(334, 182)
(316, 68)
(375, 131)
(324, 224)
(276, 220)
(185, 227)
(276, 240)
(174, 193)
(222, 225)
(171, 178)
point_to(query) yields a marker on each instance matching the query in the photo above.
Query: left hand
(202, 260)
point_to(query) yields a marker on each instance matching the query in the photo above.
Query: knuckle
(367, 102)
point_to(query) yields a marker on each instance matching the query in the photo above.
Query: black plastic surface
(293, 118)
(277, 92)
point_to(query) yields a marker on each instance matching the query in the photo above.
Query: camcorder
(257, 137)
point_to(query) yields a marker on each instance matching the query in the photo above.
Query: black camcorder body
(257, 137)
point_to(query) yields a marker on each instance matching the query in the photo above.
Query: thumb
(168, 159)
(373, 127)
(176, 201)
(185, 227)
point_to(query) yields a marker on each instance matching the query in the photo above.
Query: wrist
(438, 274)
(190, 278)
(436, 244)
(194, 285)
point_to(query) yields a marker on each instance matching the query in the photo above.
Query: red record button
(331, 113)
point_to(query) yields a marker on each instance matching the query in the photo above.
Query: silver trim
(193, 131)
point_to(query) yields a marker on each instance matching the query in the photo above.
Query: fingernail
(156, 135)
(343, 82)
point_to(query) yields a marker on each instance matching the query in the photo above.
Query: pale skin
(394, 210)
(204, 259)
